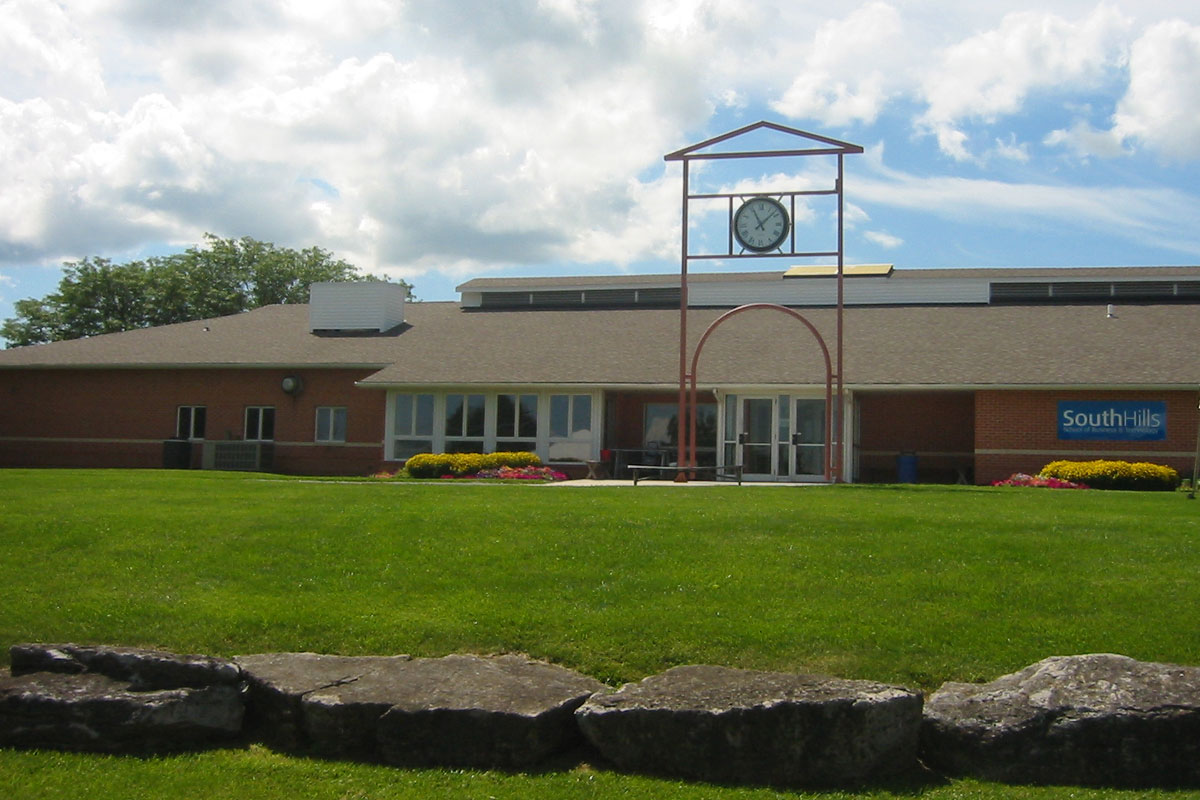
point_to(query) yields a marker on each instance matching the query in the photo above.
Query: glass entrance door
(775, 438)
(756, 439)
(808, 439)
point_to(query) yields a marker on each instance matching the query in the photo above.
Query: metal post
(1196, 463)
(841, 265)
(681, 435)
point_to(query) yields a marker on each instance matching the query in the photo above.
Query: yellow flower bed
(1114, 474)
(435, 465)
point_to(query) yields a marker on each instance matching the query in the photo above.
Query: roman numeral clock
(761, 224)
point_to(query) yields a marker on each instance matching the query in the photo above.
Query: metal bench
(641, 472)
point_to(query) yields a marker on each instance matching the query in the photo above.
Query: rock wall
(1103, 720)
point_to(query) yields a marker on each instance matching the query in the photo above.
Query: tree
(220, 277)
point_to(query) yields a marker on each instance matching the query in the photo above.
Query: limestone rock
(1090, 720)
(278, 684)
(96, 713)
(740, 726)
(503, 711)
(142, 669)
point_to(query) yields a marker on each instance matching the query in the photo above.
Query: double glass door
(775, 438)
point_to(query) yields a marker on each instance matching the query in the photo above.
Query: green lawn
(914, 585)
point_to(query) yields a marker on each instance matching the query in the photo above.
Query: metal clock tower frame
(810, 145)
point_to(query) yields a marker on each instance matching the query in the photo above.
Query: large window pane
(581, 414)
(810, 421)
(423, 425)
(560, 408)
(527, 426)
(570, 427)
(476, 404)
(506, 416)
(454, 415)
(404, 415)
(413, 425)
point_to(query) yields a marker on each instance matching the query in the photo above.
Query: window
(331, 424)
(412, 425)
(661, 430)
(465, 415)
(516, 422)
(570, 427)
(189, 422)
(260, 423)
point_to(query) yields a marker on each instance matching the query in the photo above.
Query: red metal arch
(686, 456)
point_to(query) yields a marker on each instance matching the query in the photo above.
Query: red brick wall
(937, 426)
(119, 418)
(1017, 431)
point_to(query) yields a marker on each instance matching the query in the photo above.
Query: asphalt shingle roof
(442, 344)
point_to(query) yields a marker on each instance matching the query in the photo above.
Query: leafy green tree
(220, 277)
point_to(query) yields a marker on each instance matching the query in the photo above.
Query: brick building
(954, 374)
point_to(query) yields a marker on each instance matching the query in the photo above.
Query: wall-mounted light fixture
(292, 385)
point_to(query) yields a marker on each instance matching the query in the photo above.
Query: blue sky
(441, 141)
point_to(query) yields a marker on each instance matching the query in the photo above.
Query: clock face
(761, 224)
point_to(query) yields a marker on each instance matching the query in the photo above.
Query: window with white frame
(331, 424)
(260, 424)
(412, 425)
(570, 427)
(189, 422)
(466, 416)
(516, 422)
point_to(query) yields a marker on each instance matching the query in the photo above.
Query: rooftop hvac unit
(243, 456)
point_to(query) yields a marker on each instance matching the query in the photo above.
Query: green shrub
(1139, 476)
(435, 465)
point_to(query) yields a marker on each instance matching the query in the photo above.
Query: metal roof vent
(355, 306)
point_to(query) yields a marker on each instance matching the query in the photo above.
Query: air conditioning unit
(244, 456)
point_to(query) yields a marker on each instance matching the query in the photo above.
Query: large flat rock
(96, 713)
(452, 711)
(740, 726)
(502, 711)
(143, 669)
(1098, 719)
(278, 684)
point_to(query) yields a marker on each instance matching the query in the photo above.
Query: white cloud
(1153, 217)
(1162, 105)
(992, 74)
(848, 75)
(884, 240)
(416, 136)
(1085, 141)
(1011, 150)
(45, 51)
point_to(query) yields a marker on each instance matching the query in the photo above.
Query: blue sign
(1112, 421)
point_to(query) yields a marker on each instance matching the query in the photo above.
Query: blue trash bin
(906, 468)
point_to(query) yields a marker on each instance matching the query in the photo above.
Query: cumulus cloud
(1161, 109)
(993, 73)
(454, 137)
(852, 67)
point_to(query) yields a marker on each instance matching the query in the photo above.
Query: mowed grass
(912, 585)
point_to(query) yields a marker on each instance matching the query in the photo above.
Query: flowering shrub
(430, 465)
(1115, 474)
(1042, 481)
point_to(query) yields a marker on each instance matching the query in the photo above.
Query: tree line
(217, 278)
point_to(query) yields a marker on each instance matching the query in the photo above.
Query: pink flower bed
(1021, 479)
(514, 473)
